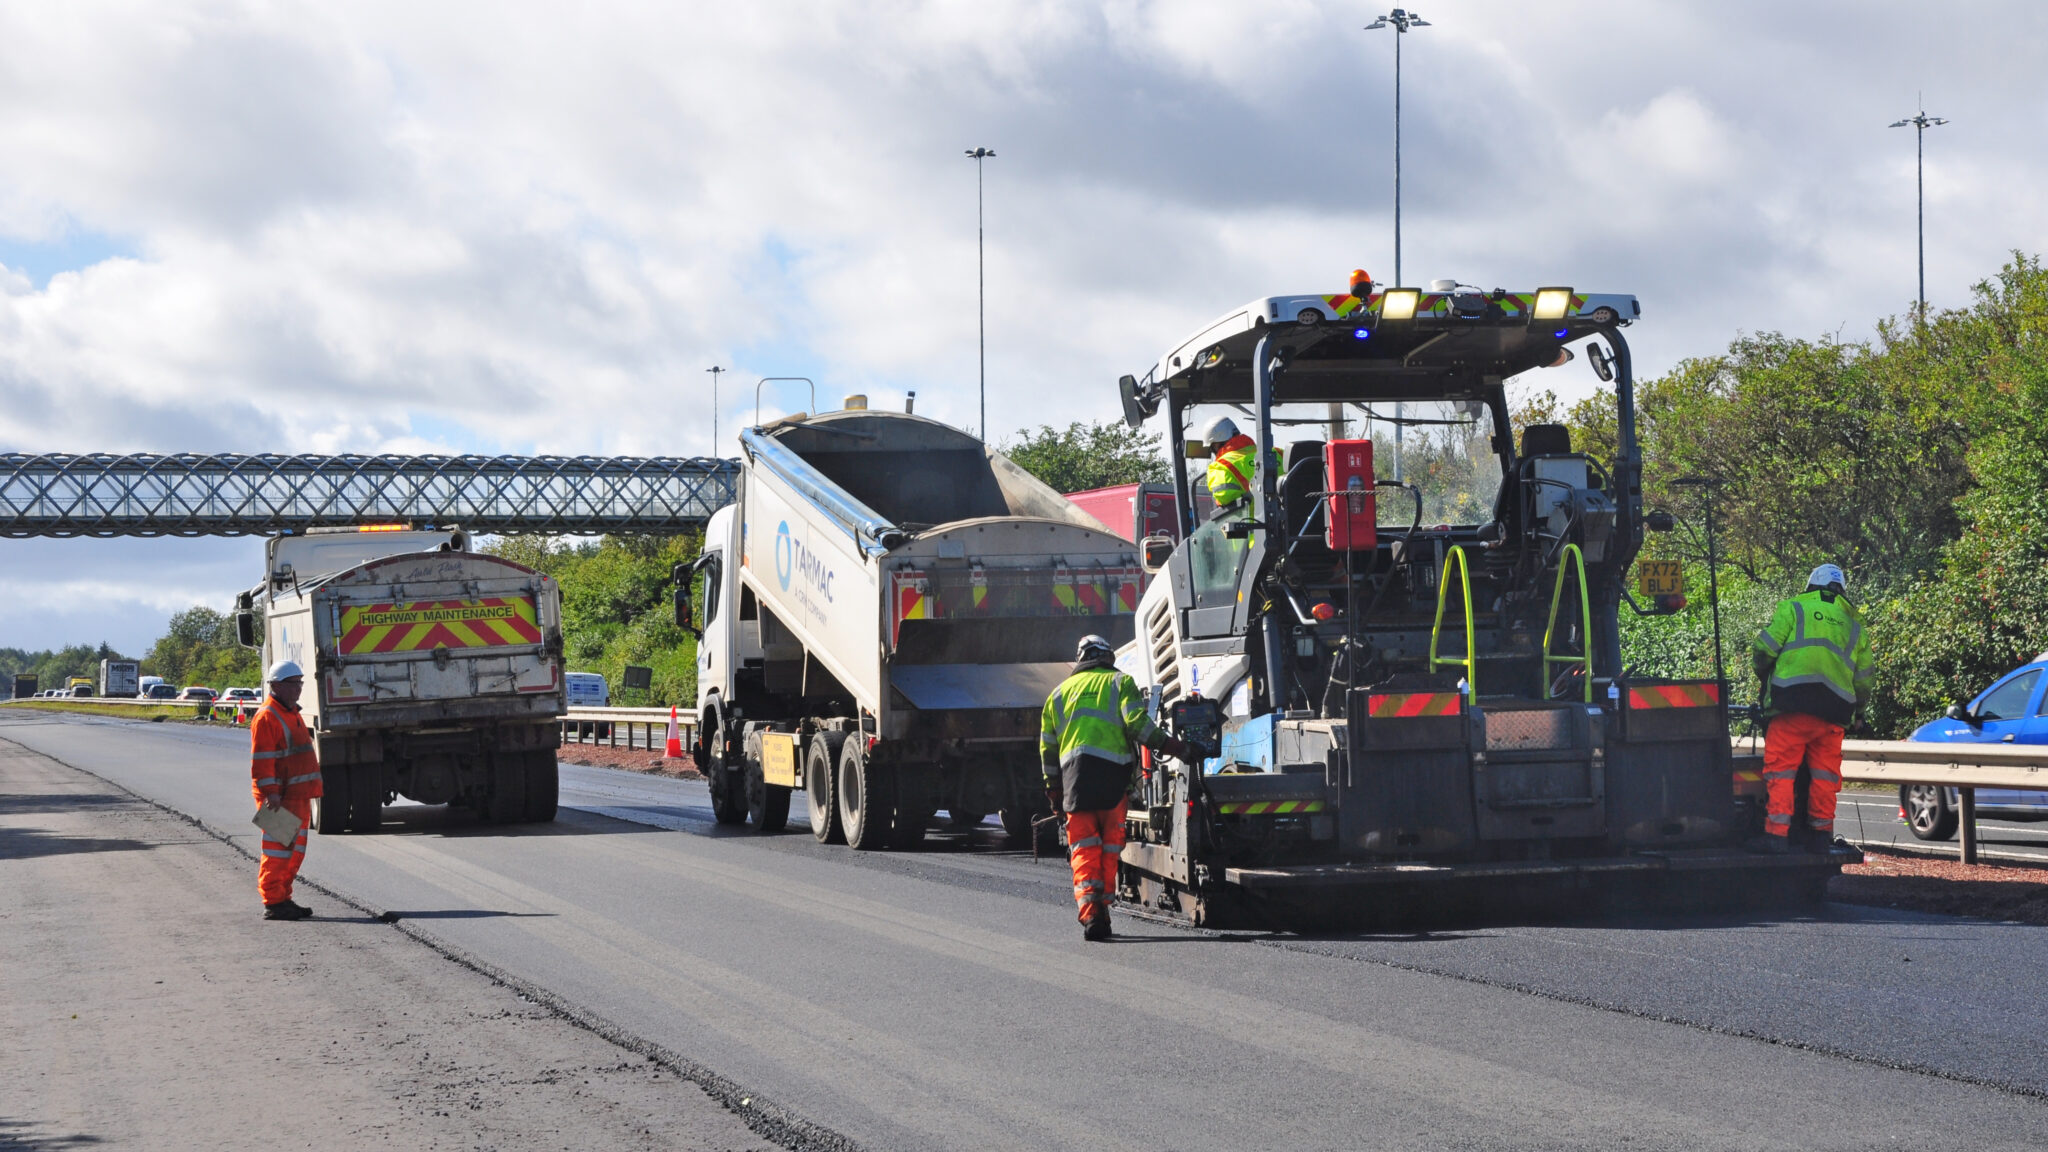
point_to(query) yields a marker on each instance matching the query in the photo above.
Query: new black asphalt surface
(944, 999)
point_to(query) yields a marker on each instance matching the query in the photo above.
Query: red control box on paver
(1352, 522)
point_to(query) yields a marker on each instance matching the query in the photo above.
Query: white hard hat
(1093, 648)
(1828, 575)
(1218, 430)
(283, 670)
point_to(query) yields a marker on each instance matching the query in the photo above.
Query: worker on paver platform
(1085, 739)
(1814, 661)
(1233, 459)
(284, 774)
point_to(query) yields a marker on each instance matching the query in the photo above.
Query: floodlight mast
(1401, 21)
(714, 370)
(981, 281)
(1920, 123)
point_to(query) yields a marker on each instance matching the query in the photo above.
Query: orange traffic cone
(674, 751)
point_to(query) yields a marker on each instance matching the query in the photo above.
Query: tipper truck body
(1413, 688)
(884, 611)
(432, 672)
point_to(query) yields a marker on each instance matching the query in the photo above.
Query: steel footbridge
(230, 495)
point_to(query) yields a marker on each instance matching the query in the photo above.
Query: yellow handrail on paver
(1571, 552)
(1471, 662)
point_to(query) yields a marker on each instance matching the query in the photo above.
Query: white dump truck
(432, 672)
(885, 610)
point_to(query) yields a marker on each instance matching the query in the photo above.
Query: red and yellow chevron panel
(1402, 705)
(1701, 695)
(423, 625)
(1268, 807)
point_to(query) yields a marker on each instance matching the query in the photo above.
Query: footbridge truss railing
(195, 495)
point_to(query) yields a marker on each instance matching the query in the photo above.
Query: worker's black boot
(1096, 927)
(282, 910)
(299, 911)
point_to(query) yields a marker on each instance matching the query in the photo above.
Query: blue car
(2014, 710)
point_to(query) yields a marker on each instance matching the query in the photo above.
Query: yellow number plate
(1660, 578)
(778, 759)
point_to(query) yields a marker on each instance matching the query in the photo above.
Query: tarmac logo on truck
(797, 564)
(423, 625)
(793, 561)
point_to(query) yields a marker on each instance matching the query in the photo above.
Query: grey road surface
(943, 998)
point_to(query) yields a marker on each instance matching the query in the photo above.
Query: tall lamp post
(1402, 22)
(981, 280)
(714, 370)
(1920, 123)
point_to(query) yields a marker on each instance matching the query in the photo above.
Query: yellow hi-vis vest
(1233, 471)
(1816, 657)
(1095, 712)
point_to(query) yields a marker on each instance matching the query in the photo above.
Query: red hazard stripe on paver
(1407, 704)
(1704, 695)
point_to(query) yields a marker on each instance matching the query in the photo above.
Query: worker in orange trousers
(284, 773)
(1086, 733)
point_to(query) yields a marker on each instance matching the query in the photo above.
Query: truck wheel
(767, 804)
(821, 762)
(543, 786)
(867, 799)
(728, 788)
(366, 797)
(1928, 811)
(330, 811)
(507, 800)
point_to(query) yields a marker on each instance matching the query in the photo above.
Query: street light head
(1417, 22)
(1376, 25)
(1935, 121)
(1900, 124)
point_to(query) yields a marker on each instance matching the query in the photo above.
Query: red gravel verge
(632, 760)
(1948, 887)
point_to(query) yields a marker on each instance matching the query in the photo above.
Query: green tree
(198, 647)
(1985, 609)
(616, 606)
(1084, 456)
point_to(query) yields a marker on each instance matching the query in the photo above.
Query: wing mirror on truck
(681, 574)
(684, 617)
(1138, 405)
(245, 629)
(1158, 550)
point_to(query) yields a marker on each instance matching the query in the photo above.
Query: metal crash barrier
(1963, 767)
(644, 728)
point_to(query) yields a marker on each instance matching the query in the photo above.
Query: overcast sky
(515, 227)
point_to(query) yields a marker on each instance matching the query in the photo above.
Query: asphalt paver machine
(1404, 646)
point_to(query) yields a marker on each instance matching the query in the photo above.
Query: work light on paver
(1400, 303)
(1552, 303)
